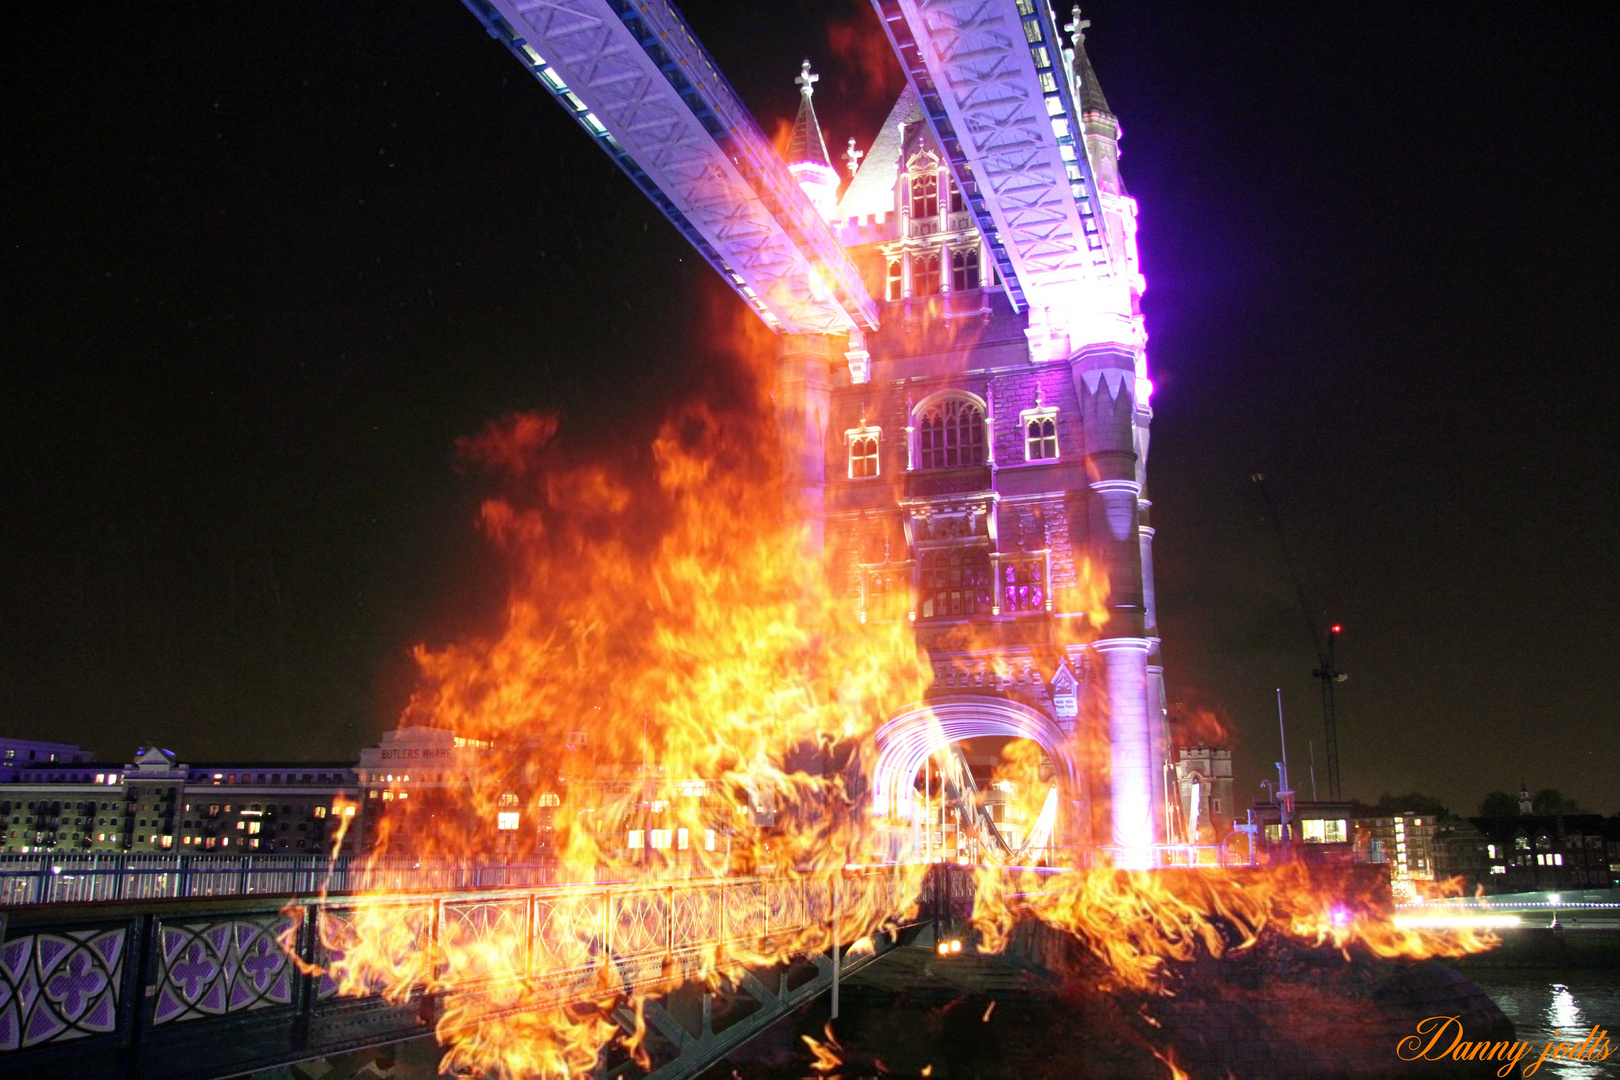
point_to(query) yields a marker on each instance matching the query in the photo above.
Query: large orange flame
(674, 690)
(662, 609)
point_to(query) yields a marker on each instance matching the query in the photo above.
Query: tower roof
(1090, 95)
(872, 190)
(806, 144)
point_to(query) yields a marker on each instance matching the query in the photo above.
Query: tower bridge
(964, 407)
(962, 384)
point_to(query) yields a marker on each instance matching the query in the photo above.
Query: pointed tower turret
(1088, 91)
(807, 157)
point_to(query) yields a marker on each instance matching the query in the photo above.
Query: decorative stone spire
(853, 156)
(807, 145)
(807, 157)
(1090, 93)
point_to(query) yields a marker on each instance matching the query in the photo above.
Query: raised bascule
(962, 384)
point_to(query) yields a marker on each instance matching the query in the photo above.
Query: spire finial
(1076, 28)
(853, 156)
(807, 81)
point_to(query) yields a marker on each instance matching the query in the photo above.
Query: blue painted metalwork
(762, 235)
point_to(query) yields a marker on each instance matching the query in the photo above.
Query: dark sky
(264, 263)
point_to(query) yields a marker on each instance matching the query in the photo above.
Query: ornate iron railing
(66, 877)
(202, 988)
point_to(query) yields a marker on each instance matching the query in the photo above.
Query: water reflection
(1559, 1006)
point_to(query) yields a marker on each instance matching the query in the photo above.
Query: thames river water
(1558, 1005)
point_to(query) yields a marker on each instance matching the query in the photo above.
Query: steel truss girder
(633, 75)
(974, 65)
(696, 1050)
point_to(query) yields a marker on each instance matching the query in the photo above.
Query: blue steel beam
(996, 85)
(633, 75)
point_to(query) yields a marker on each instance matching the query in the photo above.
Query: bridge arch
(908, 738)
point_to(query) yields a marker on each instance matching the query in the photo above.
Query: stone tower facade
(978, 466)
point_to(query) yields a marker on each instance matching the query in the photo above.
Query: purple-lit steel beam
(635, 78)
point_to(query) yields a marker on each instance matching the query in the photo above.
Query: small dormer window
(863, 452)
(1040, 434)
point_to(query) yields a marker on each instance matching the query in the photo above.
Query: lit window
(964, 269)
(708, 839)
(925, 196)
(951, 433)
(1316, 831)
(924, 275)
(896, 288)
(955, 583)
(863, 453)
(956, 201)
(1023, 585)
(320, 811)
(550, 799)
(681, 840)
(507, 820)
(1040, 434)
(636, 838)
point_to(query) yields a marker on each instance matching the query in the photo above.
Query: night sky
(265, 263)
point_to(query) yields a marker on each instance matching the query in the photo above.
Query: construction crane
(1327, 672)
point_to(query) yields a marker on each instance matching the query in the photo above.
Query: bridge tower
(962, 385)
(987, 451)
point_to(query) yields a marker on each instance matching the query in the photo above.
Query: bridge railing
(199, 988)
(56, 878)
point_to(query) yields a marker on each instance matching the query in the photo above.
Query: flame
(1140, 922)
(663, 607)
(868, 71)
(828, 1055)
(1202, 725)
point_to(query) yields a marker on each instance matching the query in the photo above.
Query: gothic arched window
(924, 275)
(863, 455)
(950, 432)
(965, 269)
(1040, 440)
(925, 196)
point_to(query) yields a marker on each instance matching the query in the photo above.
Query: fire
(828, 1055)
(660, 606)
(1140, 922)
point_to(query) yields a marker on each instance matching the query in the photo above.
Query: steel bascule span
(635, 78)
(996, 83)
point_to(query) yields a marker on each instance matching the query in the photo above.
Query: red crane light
(1336, 628)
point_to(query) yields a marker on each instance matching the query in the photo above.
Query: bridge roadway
(191, 989)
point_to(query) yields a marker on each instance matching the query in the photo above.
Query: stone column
(1130, 750)
(1105, 384)
(802, 400)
